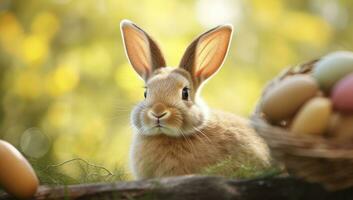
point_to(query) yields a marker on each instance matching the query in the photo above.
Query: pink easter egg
(342, 94)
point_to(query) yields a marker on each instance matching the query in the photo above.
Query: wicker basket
(315, 159)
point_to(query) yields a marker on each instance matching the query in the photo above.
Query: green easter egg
(332, 68)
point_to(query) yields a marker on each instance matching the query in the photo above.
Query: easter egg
(342, 94)
(313, 118)
(332, 68)
(334, 121)
(283, 100)
(16, 174)
(343, 128)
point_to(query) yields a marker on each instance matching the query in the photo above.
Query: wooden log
(194, 188)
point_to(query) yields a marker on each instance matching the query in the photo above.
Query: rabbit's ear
(143, 52)
(205, 55)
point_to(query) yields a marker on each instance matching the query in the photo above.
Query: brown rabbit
(174, 131)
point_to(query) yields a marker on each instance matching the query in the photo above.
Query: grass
(90, 173)
(85, 172)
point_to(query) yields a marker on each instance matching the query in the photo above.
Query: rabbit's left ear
(143, 52)
(205, 55)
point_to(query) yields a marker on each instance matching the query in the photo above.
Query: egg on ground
(17, 176)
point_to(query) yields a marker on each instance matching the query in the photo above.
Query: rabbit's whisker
(202, 133)
(188, 140)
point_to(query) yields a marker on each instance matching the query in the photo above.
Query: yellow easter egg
(342, 128)
(313, 118)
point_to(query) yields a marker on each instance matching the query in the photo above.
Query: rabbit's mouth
(158, 126)
(162, 129)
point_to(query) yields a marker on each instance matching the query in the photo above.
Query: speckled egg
(16, 175)
(342, 95)
(333, 67)
(283, 100)
(313, 118)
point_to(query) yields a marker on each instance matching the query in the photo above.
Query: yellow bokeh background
(63, 69)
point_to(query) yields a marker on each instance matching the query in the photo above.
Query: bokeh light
(212, 13)
(34, 143)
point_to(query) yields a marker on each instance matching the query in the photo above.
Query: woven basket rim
(299, 144)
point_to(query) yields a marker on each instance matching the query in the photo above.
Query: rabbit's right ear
(205, 55)
(142, 51)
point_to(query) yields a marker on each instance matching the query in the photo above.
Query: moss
(246, 169)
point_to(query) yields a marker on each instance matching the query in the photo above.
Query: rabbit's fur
(174, 132)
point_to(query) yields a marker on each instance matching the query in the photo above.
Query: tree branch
(193, 188)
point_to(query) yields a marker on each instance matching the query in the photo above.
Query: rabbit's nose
(158, 111)
(158, 115)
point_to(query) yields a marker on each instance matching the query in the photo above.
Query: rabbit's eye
(185, 93)
(145, 94)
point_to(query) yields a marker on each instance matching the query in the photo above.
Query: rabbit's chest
(163, 156)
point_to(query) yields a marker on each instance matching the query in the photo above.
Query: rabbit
(175, 133)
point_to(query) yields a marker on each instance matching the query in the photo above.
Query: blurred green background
(66, 88)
